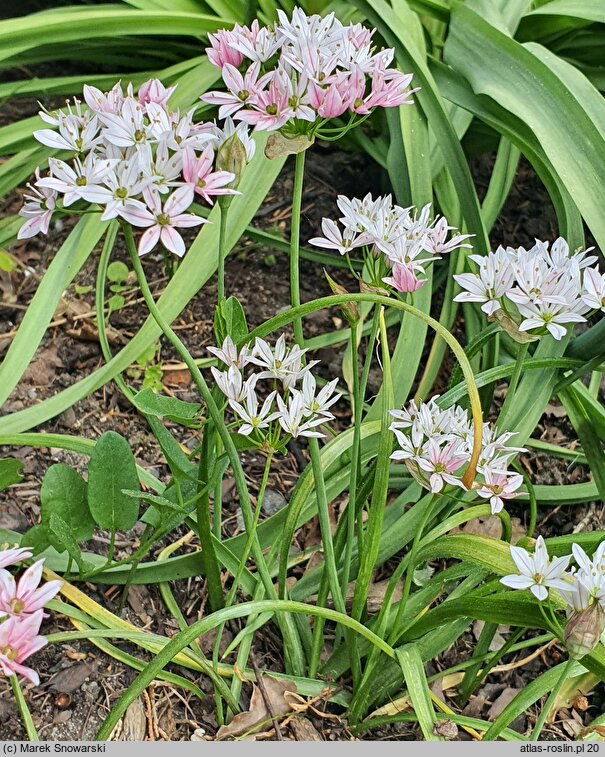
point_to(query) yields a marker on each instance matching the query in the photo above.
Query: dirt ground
(79, 683)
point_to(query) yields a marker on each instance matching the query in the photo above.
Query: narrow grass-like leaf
(65, 265)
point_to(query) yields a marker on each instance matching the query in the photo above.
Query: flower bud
(584, 630)
(349, 309)
(231, 157)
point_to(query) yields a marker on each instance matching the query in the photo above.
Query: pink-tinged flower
(222, 51)
(153, 91)
(126, 128)
(438, 243)
(197, 171)
(440, 463)
(19, 640)
(389, 89)
(499, 486)
(78, 182)
(344, 241)
(256, 43)
(270, 108)
(328, 100)
(38, 210)
(162, 221)
(229, 355)
(14, 556)
(104, 102)
(26, 596)
(242, 89)
(404, 279)
(76, 133)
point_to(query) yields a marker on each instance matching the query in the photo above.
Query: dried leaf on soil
(257, 718)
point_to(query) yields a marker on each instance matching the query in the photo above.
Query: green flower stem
(299, 171)
(514, 382)
(210, 564)
(371, 545)
(294, 650)
(409, 575)
(222, 247)
(30, 728)
(357, 410)
(328, 550)
(535, 734)
(183, 638)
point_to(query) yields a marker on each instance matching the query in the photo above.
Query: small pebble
(273, 502)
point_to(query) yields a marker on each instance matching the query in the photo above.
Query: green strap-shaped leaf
(70, 25)
(509, 73)
(67, 262)
(412, 667)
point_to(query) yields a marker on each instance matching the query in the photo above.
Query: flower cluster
(287, 409)
(137, 158)
(302, 71)
(21, 613)
(400, 240)
(582, 588)
(436, 446)
(539, 290)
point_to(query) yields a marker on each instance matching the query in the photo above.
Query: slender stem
(299, 171)
(252, 534)
(30, 728)
(535, 734)
(409, 575)
(514, 382)
(294, 650)
(328, 550)
(110, 239)
(112, 548)
(222, 249)
(204, 524)
(133, 568)
(324, 524)
(357, 408)
(244, 649)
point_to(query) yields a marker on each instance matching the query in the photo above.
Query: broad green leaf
(64, 492)
(171, 408)
(112, 468)
(38, 538)
(10, 472)
(230, 320)
(117, 271)
(60, 533)
(559, 16)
